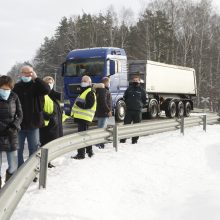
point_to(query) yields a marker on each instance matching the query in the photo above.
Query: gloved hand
(52, 122)
(80, 104)
(11, 131)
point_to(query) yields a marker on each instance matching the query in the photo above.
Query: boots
(7, 176)
(50, 165)
(90, 153)
(78, 157)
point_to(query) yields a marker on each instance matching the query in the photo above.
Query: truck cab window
(90, 67)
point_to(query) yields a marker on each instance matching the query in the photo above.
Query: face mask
(84, 84)
(108, 85)
(51, 85)
(135, 83)
(26, 78)
(4, 94)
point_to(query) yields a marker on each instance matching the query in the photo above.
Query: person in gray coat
(10, 120)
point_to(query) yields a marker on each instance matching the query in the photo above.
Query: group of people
(30, 110)
(99, 102)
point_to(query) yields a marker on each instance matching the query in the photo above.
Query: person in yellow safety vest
(53, 116)
(83, 112)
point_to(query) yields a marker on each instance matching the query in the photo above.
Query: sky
(164, 176)
(25, 23)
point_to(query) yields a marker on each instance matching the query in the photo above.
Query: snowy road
(164, 177)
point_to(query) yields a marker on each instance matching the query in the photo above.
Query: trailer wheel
(170, 111)
(187, 109)
(152, 109)
(120, 110)
(180, 109)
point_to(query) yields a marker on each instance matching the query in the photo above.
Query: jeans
(102, 122)
(12, 161)
(33, 140)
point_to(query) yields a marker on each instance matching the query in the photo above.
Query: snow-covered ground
(166, 176)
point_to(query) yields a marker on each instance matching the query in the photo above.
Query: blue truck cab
(97, 63)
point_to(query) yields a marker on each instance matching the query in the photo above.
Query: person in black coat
(31, 91)
(53, 127)
(10, 119)
(104, 104)
(135, 99)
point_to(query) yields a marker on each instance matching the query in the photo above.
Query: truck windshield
(81, 67)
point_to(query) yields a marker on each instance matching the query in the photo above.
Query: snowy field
(166, 176)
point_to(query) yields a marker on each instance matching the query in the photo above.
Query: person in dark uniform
(135, 99)
(53, 115)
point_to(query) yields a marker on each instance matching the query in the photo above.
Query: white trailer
(170, 88)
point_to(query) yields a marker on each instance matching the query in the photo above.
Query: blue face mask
(4, 94)
(26, 78)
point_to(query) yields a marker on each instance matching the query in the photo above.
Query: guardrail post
(43, 168)
(204, 119)
(115, 137)
(182, 125)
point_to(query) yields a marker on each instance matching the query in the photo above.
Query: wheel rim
(173, 110)
(121, 111)
(180, 109)
(154, 110)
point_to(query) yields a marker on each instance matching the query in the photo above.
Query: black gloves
(80, 104)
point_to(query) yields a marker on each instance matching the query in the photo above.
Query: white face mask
(51, 85)
(84, 84)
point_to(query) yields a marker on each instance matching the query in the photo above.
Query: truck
(169, 88)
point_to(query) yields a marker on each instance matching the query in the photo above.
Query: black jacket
(135, 98)
(104, 102)
(31, 96)
(54, 129)
(10, 120)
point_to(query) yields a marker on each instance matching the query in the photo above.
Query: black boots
(82, 156)
(122, 140)
(78, 157)
(50, 165)
(90, 153)
(7, 176)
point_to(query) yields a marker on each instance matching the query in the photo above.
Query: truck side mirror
(63, 68)
(112, 67)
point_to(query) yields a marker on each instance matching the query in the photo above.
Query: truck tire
(187, 109)
(120, 111)
(170, 110)
(180, 109)
(152, 109)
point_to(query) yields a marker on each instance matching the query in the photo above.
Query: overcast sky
(25, 23)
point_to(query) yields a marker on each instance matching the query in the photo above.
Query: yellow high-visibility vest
(85, 114)
(48, 107)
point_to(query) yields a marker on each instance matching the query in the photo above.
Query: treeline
(180, 32)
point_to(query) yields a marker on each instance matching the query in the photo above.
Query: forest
(179, 32)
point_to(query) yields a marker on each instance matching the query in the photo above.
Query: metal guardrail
(12, 192)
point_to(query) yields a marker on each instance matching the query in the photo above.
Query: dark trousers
(83, 126)
(132, 116)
